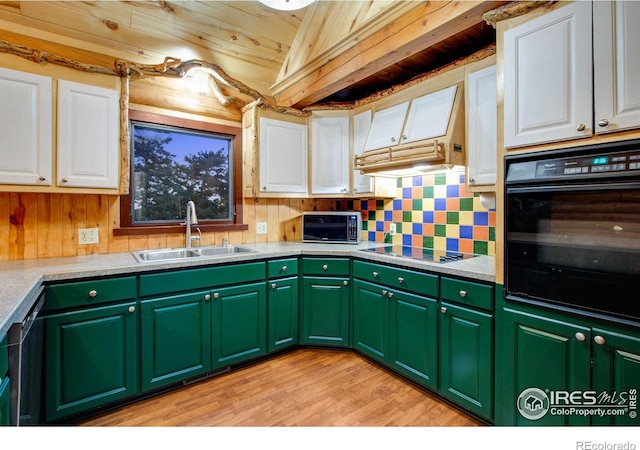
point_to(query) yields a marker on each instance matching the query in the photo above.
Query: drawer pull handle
(93, 293)
(325, 267)
(443, 310)
(132, 308)
(463, 294)
(400, 280)
(345, 283)
(375, 274)
(580, 336)
(216, 295)
(207, 297)
(273, 286)
(284, 268)
(599, 340)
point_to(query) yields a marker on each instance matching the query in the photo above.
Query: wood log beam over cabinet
(427, 24)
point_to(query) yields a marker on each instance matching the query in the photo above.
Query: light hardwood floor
(305, 387)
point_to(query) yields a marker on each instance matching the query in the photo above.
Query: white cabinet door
(283, 157)
(429, 116)
(547, 77)
(386, 127)
(88, 136)
(362, 184)
(25, 128)
(617, 70)
(330, 165)
(482, 126)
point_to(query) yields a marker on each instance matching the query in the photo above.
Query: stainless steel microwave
(340, 227)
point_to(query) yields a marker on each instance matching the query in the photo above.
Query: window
(175, 160)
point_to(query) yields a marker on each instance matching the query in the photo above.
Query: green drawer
(207, 277)
(467, 293)
(89, 293)
(282, 268)
(325, 266)
(4, 357)
(396, 278)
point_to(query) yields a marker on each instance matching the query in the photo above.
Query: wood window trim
(128, 228)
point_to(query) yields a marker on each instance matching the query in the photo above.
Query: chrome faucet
(192, 219)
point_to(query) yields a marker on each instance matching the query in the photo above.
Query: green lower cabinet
(175, 338)
(398, 329)
(542, 353)
(325, 311)
(239, 326)
(466, 358)
(616, 369)
(91, 358)
(283, 313)
(5, 402)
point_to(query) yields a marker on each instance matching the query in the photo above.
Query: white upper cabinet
(616, 48)
(482, 126)
(25, 128)
(88, 136)
(362, 184)
(330, 162)
(429, 116)
(547, 77)
(386, 127)
(283, 157)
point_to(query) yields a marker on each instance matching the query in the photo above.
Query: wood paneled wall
(35, 225)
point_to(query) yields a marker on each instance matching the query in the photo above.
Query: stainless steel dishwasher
(26, 345)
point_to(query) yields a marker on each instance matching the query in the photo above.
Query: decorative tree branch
(514, 9)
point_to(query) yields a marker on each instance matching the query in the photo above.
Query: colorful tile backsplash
(432, 211)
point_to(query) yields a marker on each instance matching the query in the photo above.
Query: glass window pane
(171, 166)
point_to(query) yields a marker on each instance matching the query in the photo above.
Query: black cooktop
(419, 253)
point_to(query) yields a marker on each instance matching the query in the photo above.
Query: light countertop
(21, 281)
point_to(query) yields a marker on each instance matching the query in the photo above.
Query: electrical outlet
(392, 229)
(261, 228)
(87, 236)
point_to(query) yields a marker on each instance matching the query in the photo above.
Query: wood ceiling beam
(426, 25)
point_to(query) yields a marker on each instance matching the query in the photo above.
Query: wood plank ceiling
(274, 52)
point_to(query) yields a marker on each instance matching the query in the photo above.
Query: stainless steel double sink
(173, 254)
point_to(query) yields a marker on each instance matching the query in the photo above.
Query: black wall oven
(572, 229)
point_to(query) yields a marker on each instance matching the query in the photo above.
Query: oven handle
(574, 187)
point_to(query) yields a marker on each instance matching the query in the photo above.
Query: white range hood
(423, 135)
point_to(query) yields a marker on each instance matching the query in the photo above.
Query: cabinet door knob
(216, 295)
(64, 180)
(443, 310)
(93, 293)
(599, 340)
(580, 336)
(603, 122)
(132, 308)
(284, 268)
(375, 274)
(325, 267)
(390, 295)
(273, 286)
(384, 292)
(345, 283)
(581, 127)
(472, 180)
(393, 139)
(207, 297)
(400, 280)
(42, 179)
(463, 294)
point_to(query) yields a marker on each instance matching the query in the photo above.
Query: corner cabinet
(275, 154)
(326, 294)
(283, 304)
